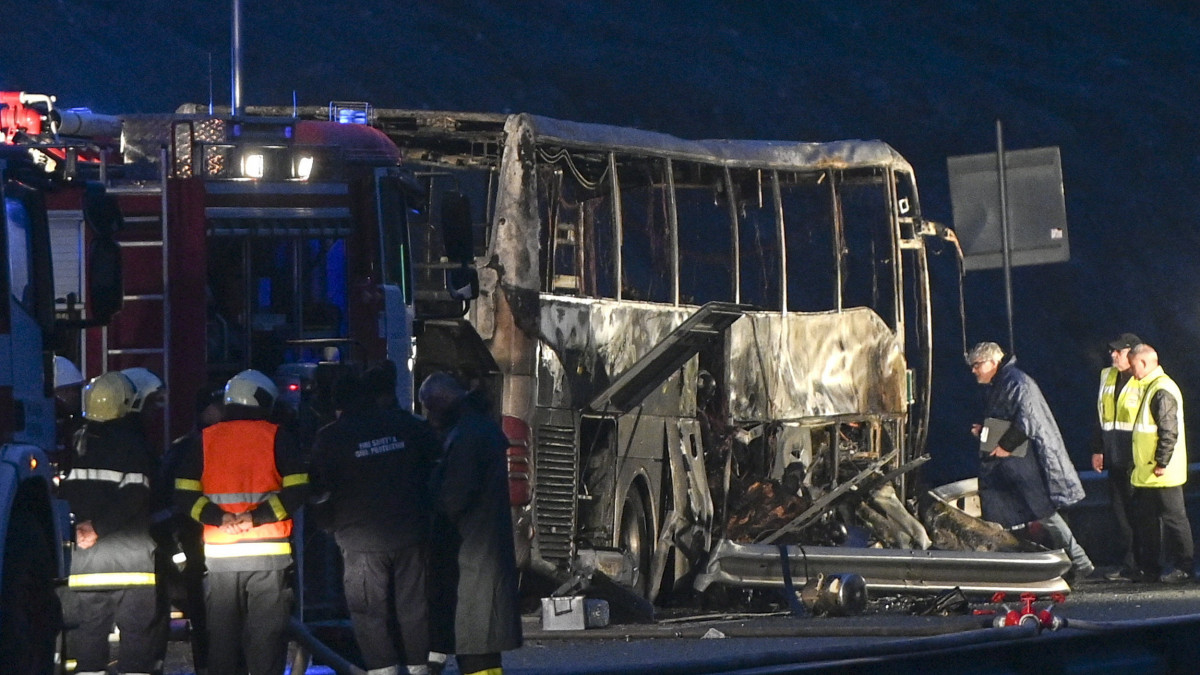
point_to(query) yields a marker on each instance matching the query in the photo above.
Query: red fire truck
(270, 243)
(266, 242)
(217, 243)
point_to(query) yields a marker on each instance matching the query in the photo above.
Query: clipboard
(990, 435)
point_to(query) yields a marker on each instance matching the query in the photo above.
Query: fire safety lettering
(378, 446)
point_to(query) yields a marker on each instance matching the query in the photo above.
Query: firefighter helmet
(107, 397)
(251, 389)
(145, 383)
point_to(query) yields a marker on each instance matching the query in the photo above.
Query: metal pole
(236, 39)
(1006, 244)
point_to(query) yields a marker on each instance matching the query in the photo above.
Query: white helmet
(65, 373)
(252, 389)
(107, 397)
(145, 383)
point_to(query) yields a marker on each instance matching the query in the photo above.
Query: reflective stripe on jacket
(110, 580)
(240, 473)
(1145, 437)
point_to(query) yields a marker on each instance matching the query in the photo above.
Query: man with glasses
(1112, 445)
(1028, 476)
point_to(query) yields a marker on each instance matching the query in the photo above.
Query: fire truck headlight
(304, 167)
(253, 165)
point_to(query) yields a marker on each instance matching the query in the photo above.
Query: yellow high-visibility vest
(1145, 437)
(1118, 409)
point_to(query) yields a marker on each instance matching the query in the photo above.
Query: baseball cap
(1126, 341)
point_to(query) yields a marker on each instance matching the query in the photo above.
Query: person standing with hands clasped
(112, 578)
(474, 607)
(242, 480)
(1159, 472)
(1016, 489)
(373, 464)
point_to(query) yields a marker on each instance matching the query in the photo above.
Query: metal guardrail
(890, 570)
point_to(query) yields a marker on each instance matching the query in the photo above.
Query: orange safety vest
(240, 473)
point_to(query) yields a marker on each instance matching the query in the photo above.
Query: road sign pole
(1004, 235)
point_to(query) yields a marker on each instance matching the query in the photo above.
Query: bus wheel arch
(635, 534)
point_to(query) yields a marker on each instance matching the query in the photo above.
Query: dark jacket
(470, 488)
(1017, 490)
(375, 465)
(1164, 411)
(109, 485)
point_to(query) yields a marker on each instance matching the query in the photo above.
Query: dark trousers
(193, 588)
(386, 596)
(182, 588)
(247, 616)
(1120, 494)
(478, 663)
(1161, 521)
(135, 611)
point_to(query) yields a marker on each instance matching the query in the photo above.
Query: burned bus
(674, 329)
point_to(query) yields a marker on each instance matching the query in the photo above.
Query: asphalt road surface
(886, 638)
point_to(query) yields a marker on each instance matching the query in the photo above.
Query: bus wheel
(635, 539)
(32, 613)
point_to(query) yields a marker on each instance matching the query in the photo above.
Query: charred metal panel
(796, 366)
(701, 330)
(517, 226)
(586, 343)
(782, 367)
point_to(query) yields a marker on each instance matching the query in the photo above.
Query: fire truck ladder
(141, 331)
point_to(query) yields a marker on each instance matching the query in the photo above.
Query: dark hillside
(1114, 84)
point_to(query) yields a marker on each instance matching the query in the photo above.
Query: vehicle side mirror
(105, 285)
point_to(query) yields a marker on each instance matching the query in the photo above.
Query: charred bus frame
(620, 270)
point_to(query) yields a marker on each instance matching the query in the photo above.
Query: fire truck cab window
(426, 236)
(296, 288)
(705, 234)
(647, 266)
(758, 234)
(18, 252)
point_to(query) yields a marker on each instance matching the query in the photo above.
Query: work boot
(1176, 577)
(1122, 574)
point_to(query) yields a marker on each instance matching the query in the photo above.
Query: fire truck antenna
(236, 39)
(210, 84)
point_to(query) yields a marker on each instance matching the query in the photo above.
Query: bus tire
(636, 540)
(32, 613)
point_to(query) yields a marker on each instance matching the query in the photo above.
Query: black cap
(1126, 341)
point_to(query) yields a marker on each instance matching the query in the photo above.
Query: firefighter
(112, 579)
(374, 461)
(243, 479)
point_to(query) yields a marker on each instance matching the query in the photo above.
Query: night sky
(1116, 85)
